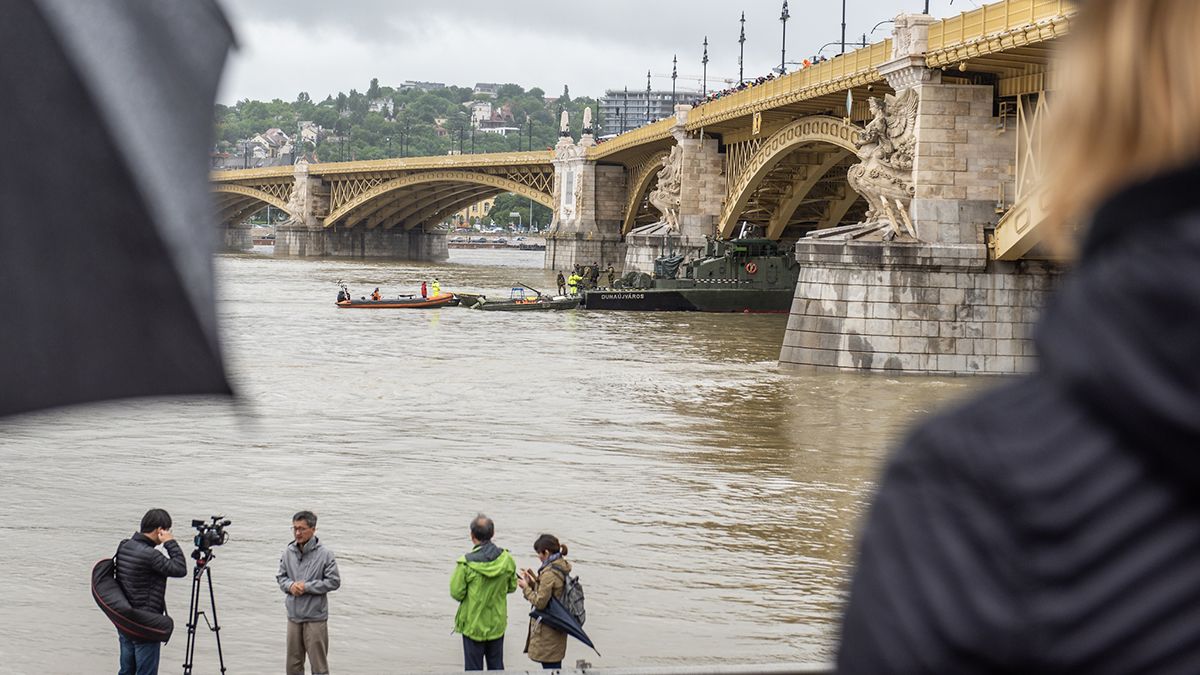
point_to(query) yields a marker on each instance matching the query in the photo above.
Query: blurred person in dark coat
(1053, 525)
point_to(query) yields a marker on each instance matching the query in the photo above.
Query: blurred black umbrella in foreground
(106, 228)
(557, 617)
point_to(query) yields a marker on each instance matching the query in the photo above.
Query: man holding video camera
(142, 572)
(307, 572)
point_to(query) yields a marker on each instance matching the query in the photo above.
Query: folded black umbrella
(557, 617)
(106, 220)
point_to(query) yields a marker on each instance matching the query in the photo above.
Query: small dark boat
(408, 302)
(519, 302)
(529, 304)
(468, 299)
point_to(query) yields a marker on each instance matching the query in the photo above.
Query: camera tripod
(203, 558)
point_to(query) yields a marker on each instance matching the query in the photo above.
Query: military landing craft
(751, 275)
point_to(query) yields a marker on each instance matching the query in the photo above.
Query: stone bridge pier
(307, 235)
(589, 200)
(925, 297)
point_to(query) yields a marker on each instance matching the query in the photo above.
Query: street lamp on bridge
(844, 25)
(624, 109)
(783, 18)
(674, 74)
(647, 97)
(704, 63)
(741, 49)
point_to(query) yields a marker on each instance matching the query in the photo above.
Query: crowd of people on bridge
(747, 84)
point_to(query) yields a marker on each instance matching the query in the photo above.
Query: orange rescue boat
(404, 302)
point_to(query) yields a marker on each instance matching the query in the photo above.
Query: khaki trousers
(311, 638)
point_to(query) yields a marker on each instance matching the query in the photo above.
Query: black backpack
(133, 623)
(572, 595)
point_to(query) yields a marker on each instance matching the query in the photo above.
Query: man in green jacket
(481, 583)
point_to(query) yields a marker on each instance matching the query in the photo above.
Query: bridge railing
(434, 162)
(393, 164)
(995, 18)
(817, 80)
(650, 132)
(230, 175)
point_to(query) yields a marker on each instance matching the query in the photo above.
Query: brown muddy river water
(709, 499)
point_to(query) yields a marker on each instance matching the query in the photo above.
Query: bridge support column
(236, 237)
(937, 305)
(589, 202)
(701, 193)
(360, 242)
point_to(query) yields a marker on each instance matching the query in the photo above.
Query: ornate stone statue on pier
(665, 197)
(564, 124)
(884, 175)
(297, 200)
(586, 137)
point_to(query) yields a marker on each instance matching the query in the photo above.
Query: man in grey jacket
(307, 572)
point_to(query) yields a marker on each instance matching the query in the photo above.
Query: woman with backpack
(544, 644)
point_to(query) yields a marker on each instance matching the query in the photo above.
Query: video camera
(209, 534)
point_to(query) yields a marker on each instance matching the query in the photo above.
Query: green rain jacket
(481, 582)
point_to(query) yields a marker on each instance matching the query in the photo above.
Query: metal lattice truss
(344, 189)
(737, 156)
(237, 201)
(1023, 227)
(408, 199)
(796, 177)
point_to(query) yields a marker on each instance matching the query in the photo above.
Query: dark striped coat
(1054, 524)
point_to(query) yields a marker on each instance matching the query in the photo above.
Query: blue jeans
(557, 665)
(138, 658)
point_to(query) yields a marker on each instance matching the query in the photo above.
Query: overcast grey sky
(322, 47)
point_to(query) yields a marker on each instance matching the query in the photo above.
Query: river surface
(708, 498)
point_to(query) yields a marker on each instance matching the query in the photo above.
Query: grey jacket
(316, 567)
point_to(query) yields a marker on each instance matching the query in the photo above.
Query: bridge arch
(250, 199)
(448, 176)
(817, 130)
(643, 175)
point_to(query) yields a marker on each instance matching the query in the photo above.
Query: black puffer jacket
(142, 571)
(1054, 525)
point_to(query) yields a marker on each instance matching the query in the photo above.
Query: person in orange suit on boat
(424, 290)
(375, 295)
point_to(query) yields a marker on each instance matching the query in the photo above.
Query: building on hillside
(501, 117)
(423, 86)
(489, 89)
(310, 132)
(480, 111)
(620, 112)
(252, 153)
(383, 106)
(271, 142)
(503, 131)
(474, 213)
